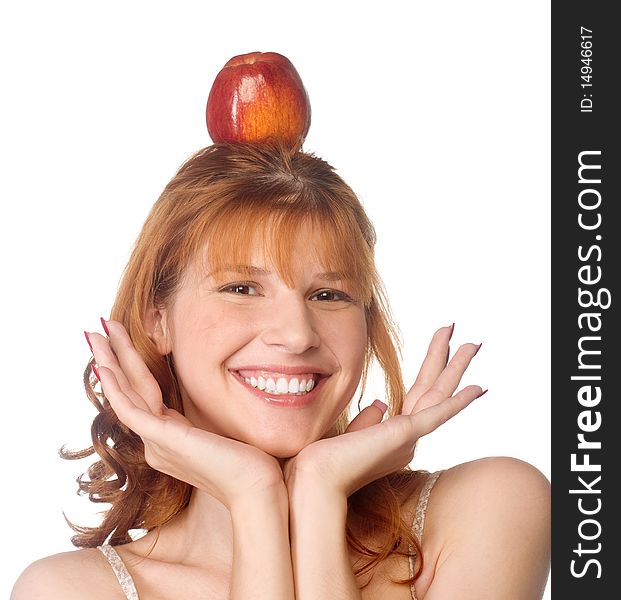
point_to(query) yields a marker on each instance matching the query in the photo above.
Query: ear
(156, 325)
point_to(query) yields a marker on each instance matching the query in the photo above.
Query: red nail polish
(477, 350)
(482, 393)
(105, 326)
(96, 371)
(88, 341)
(452, 329)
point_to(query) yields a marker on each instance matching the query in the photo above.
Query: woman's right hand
(227, 469)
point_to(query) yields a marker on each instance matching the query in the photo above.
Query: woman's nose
(289, 325)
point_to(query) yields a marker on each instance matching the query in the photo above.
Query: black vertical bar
(586, 261)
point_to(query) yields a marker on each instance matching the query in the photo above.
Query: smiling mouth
(274, 391)
(279, 384)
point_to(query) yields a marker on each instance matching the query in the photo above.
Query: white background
(436, 113)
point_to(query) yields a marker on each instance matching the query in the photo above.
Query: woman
(245, 323)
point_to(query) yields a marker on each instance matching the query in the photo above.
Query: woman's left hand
(369, 448)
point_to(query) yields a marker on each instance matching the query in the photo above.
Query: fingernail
(88, 341)
(379, 404)
(452, 329)
(96, 371)
(477, 350)
(482, 393)
(105, 326)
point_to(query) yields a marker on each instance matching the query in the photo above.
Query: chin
(281, 445)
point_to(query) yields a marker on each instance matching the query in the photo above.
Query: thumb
(371, 415)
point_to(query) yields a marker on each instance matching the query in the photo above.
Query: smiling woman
(223, 330)
(245, 324)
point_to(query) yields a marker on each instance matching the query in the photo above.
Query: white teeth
(281, 385)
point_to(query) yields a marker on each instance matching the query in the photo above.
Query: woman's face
(261, 362)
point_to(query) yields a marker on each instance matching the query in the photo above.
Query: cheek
(210, 318)
(357, 335)
(348, 338)
(205, 336)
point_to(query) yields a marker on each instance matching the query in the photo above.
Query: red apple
(258, 97)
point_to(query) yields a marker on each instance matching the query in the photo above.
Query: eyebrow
(253, 270)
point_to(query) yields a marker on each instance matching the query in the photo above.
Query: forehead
(265, 252)
(290, 243)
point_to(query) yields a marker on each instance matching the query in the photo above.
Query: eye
(331, 296)
(241, 289)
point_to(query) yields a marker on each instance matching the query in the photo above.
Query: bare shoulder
(484, 483)
(489, 520)
(75, 574)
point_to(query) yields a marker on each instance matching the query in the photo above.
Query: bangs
(233, 233)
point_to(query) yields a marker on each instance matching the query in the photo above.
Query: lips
(286, 386)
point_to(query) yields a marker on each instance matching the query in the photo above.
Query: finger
(371, 415)
(138, 419)
(434, 363)
(174, 415)
(136, 372)
(449, 379)
(105, 356)
(430, 418)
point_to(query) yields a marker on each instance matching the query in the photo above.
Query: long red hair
(222, 196)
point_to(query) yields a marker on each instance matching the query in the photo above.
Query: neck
(200, 535)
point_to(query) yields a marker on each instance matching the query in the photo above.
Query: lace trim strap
(120, 570)
(419, 520)
(129, 589)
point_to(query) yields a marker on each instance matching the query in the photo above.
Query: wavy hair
(223, 195)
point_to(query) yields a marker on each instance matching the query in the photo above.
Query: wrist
(310, 495)
(319, 548)
(261, 565)
(255, 502)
